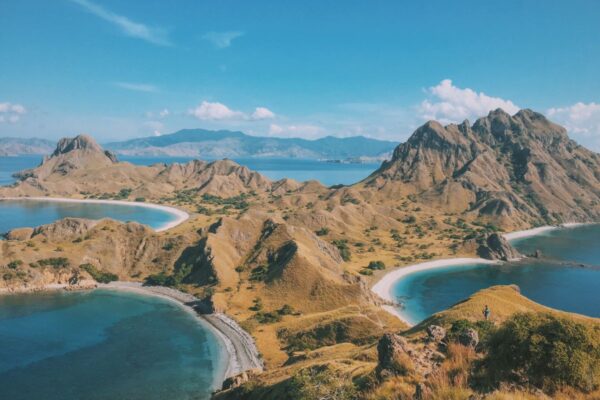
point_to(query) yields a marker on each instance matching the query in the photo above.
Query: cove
(104, 344)
(564, 286)
(32, 213)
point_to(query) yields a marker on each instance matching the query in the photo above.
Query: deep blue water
(103, 345)
(31, 213)
(558, 286)
(273, 168)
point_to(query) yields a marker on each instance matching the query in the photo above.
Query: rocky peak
(81, 142)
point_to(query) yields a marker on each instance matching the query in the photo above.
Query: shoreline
(235, 344)
(180, 215)
(384, 285)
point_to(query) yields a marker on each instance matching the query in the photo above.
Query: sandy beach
(383, 288)
(241, 352)
(179, 215)
(536, 231)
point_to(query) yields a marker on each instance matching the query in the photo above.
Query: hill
(516, 170)
(228, 144)
(10, 146)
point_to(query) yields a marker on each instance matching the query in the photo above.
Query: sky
(119, 70)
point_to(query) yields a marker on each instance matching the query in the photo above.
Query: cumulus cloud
(222, 40)
(156, 127)
(216, 111)
(137, 87)
(262, 113)
(128, 27)
(10, 112)
(581, 120)
(449, 103)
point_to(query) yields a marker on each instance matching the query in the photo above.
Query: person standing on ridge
(486, 312)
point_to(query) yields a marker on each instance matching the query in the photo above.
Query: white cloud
(222, 40)
(453, 104)
(130, 28)
(10, 112)
(581, 120)
(215, 111)
(137, 87)
(262, 113)
(155, 126)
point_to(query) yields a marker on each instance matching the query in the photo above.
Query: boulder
(392, 352)
(469, 338)
(20, 234)
(496, 247)
(435, 333)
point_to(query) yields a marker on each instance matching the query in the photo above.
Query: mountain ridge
(228, 144)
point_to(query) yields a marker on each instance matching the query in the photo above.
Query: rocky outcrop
(496, 247)
(516, 170)
(436, 333)
(469, 337)
(392, 354)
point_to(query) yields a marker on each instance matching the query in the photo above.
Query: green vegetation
(173, 280)
(56, 262)
(320, 382)
(259, 273)
(546, 351)
(342, 245)
(322, 232)
(484, 329)
(99, 276)
(376, 265)
(14, 264)
(123, 194)
(267, 317)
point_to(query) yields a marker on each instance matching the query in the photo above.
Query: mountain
(80, 165)
(10, 146)
(520, 169)
(227, 144)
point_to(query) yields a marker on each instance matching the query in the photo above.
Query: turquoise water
(273, 168)
(31, 213)
(103, 345)
(553, 284)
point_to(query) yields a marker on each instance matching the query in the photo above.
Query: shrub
(549, 352)
(320, 382)
(376, 265)
(267, 317)
(343, 248)
(483, 328)
(322, 232)
(56, 262)
(99, 276)
(286, 310)
(14, 264)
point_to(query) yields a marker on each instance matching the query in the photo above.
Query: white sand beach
(383, 288)
(536, 231)
(179, 215)
(241, 352)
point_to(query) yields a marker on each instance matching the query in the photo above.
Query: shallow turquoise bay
(565, 287)
(104, 345)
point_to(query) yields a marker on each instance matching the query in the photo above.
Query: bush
(376, 265)
(267, 317)
(320, 382)
(99, 276)
(322, 232)
(14, 264)
(56, 262)
(546, 351)
(484, 329)
(343, 248)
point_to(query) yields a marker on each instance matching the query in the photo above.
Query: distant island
(209, 144)
(11, 146)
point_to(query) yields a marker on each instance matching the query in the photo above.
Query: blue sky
(119, 69)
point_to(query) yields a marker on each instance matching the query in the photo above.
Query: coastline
(384, 285)
(180, 215)
(238, 348)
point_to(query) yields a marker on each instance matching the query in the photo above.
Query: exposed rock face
(392, 353)
(436, 333)
(469, 337)
(516, 170)
(81, 142)
(496, 247)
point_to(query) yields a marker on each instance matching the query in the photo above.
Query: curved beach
(242, 354)
(383, 287)
(179, 215)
